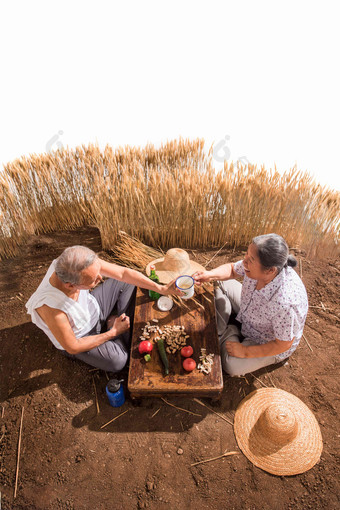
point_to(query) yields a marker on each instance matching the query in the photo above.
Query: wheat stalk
(164, 197)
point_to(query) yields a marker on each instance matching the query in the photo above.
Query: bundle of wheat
(130, 252)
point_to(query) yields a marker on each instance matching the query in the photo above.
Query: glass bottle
(152, 294)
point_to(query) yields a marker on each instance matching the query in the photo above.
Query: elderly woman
(79, 322)
(271, 306)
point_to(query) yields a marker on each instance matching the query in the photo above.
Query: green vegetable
(162, 353)
(147, 357)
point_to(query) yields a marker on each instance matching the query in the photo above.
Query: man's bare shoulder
(47, 313)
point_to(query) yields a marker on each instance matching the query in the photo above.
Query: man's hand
(236, 349)
(170, 289)
(120, 325)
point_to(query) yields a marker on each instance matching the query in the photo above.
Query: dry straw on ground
(166, 197)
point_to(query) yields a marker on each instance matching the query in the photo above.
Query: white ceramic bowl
(165, 303)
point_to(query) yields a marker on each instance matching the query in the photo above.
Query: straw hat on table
(176, 262)
(277, 432)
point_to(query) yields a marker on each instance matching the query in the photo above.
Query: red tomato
(145, 347)
(187, 351)
(189, 364)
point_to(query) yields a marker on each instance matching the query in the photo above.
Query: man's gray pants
(228, 300)
(113, 297)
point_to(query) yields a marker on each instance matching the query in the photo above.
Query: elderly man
(76, 313)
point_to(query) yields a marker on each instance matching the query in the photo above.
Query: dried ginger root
(206, 362)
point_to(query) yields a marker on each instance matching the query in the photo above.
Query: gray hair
(71, 263)
(273, 251)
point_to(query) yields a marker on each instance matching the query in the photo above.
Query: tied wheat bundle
(130, 252)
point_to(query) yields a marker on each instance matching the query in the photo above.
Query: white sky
(264, 73)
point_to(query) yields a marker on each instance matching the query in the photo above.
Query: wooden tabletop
(147, 378)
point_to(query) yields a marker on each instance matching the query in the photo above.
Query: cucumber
(162, 353)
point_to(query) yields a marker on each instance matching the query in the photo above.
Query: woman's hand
(202, 277)
(236, 349)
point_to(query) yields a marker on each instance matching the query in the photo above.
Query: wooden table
(147, 379)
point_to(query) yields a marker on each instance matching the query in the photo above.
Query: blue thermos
(115, 392)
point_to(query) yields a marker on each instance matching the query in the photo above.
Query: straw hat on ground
(277, 432)
(176, 262)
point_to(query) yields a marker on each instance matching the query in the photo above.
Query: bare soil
(143, 459)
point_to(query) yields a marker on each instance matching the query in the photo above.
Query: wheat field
(170, 196)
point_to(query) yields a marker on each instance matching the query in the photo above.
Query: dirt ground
(143, 459)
